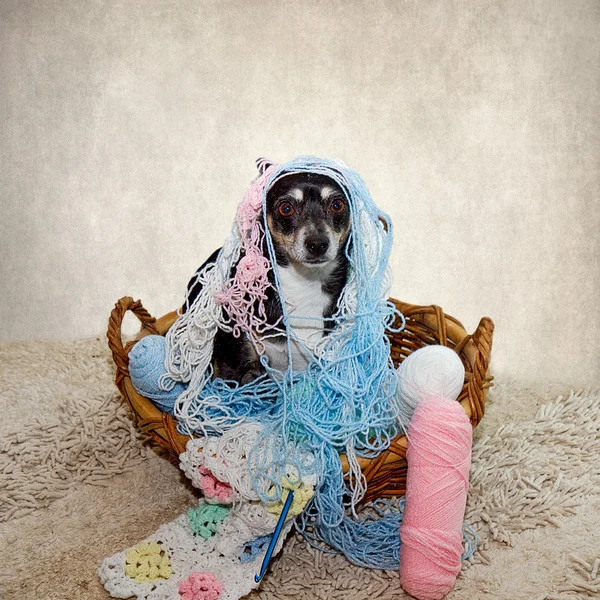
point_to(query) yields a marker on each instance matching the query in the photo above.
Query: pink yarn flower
(200, 586)
(213, 488)
(252, 267)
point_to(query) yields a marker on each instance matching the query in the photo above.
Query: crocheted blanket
(208, 553)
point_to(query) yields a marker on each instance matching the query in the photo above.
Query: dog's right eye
(286, 209)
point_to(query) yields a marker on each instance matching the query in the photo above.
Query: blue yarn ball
(146, 365)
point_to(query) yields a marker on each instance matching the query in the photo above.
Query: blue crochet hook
(275, 537)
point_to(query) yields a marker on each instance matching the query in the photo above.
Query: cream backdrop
(129, 130)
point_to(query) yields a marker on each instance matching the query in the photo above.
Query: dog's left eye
(286, 209)
(337, 206)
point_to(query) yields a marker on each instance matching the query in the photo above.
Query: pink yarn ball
(213, 488)
(439, 459)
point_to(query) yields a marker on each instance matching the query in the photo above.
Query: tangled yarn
(246, 290)
(344, 402)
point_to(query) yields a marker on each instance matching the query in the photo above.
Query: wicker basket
(386, 474)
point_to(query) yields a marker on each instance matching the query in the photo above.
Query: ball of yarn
(146, 365)
(431, 371)
(439, 459)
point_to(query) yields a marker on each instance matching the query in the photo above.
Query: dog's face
(309, 219)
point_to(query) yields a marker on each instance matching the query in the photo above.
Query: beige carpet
(77, 484)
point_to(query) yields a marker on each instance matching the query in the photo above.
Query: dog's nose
(317, 245)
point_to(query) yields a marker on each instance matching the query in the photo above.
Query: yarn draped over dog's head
(343, 402)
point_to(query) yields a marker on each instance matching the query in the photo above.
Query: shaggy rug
(79, 483)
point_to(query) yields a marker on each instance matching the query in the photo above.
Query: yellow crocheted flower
(302, 494)
(147, 562)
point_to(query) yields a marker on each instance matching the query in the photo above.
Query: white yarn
(431, 371)
(359, 487)
(191, 338)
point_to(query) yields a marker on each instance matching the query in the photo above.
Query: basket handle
(480, 381)
(119, 350)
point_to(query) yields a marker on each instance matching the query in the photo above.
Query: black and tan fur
(309, 222)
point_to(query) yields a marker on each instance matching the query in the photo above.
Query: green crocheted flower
(147, 562)
(205, 519)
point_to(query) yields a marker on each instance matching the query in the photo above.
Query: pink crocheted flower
(213, 488)
(252, 267)
(200, 586)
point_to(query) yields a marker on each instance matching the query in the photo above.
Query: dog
(309, 221)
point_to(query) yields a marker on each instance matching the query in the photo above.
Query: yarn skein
(439, 459)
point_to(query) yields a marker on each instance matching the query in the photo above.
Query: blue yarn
(372, 541)
(345, 403)
(253, 548)
(146, 365)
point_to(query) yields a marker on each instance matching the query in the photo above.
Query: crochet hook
(275, 537)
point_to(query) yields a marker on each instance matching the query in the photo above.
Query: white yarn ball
(427, 372)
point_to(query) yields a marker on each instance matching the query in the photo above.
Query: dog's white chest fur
(304, 297)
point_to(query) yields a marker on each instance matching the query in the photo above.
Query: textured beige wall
(128, 131)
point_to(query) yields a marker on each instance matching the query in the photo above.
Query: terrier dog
(309, 221)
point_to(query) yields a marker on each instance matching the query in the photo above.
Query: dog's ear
(262, 164)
